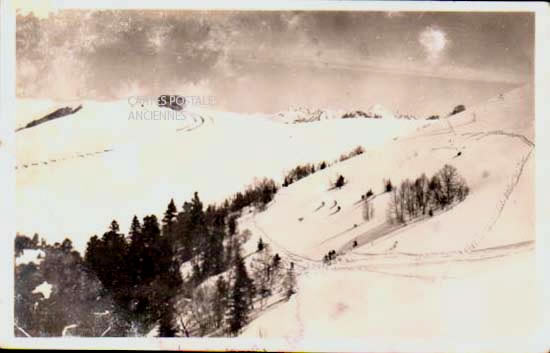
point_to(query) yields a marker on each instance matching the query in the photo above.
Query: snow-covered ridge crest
(302, 114)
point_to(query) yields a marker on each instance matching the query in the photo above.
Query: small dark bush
(388, 186)
(458, 109)
(340, 181)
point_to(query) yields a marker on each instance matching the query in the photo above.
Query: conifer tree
(169, 217)
(239, 303)
(135, 230)
(113, 271)
(212, 257)
(260, 244)
(220, 301)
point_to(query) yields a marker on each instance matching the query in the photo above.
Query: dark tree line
(355, 152)
(137, 277)
(258, 194)
(302, 171)
(426, 195)
(140, 271)
(299, 172)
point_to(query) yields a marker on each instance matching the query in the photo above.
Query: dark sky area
(412, 62)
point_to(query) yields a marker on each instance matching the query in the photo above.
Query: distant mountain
(304, 114)
(379, 110)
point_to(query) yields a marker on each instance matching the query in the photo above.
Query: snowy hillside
(135, 166)
(450, 275)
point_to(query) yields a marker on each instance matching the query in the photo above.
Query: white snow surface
(45, 288)
(77, 173)
(28, 256)
(465, 275)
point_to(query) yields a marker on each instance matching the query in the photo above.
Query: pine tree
(191, 228)
(220, 301)
(113, 258)
(340, 181)
(388, 186)
(260, 244)
(135, 230)
(169, 217)
(35, 241)
(212, 253)
(276, 260)
(93, 255)
(147, 248)
(232, 225)
(239, 304)
(136, 251)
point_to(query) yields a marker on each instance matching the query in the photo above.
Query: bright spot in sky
(434, 42)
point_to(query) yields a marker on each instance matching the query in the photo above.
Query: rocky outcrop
(61, 112)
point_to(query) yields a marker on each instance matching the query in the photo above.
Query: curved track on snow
(194, 122)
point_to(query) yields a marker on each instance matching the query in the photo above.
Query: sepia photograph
(317, 177)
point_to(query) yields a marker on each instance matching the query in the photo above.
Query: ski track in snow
(299, 260)
(197, 119)
(445, 258)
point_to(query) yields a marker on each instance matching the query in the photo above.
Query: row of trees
(360, 114)
(142, 270)
(457, 109)
(225, 307)
(426, 195)
(258, 194)
(302, 171)
(355, 152)
(140, 273)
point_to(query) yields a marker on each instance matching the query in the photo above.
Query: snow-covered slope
(452, 276)
(75, 174)
(495, 158)
(306, 115)
(457, 277)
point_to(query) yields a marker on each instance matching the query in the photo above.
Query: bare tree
(448, 176)
(422, 193)
(368, 210)
(395, 209)
(262, 267)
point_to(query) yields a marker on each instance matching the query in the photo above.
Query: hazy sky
(414, 62)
